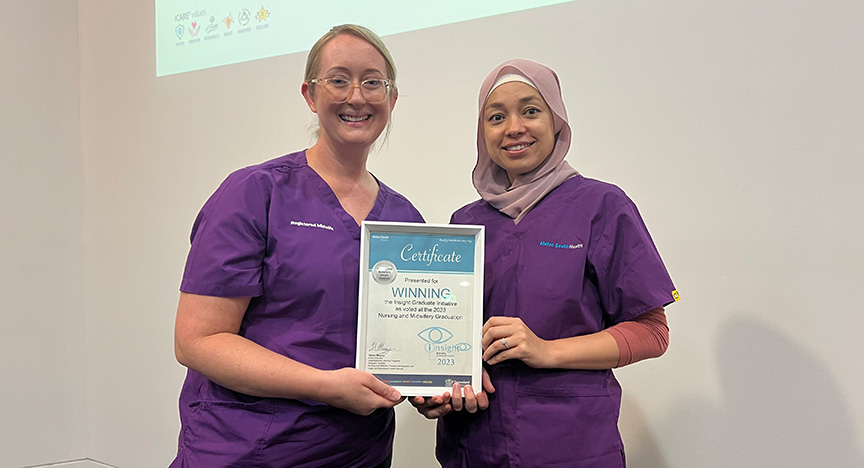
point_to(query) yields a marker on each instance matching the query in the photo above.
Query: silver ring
(504, 343)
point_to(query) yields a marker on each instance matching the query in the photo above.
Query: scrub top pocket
(568, 419)
(226, 430)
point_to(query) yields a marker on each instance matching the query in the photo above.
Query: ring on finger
(504, 343)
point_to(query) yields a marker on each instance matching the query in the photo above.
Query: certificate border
(479, 233)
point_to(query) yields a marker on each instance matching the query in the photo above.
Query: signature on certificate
(380, 349)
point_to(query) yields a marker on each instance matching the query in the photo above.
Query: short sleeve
(630, 275)
(229, 239)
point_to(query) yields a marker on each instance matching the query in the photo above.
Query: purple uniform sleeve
(229, 238)
(630, 274)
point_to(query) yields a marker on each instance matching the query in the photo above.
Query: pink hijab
(490, 180)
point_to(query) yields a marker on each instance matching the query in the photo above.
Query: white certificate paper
(421, 305)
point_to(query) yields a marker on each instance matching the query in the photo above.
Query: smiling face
(518, 128)
(356, 123)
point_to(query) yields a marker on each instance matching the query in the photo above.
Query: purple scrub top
(580, 261)
(277, 232)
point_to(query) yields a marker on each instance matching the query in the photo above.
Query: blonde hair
(313, 60)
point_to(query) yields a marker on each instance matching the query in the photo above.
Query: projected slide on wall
(196, 34)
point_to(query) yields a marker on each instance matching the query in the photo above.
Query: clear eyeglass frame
(339, 93)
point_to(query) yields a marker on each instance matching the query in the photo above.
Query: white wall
(41, 239)
(734, 125)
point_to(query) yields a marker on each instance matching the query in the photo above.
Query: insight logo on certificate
(421, 305)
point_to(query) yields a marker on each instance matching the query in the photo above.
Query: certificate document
(421, 305)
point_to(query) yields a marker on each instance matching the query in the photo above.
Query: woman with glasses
(574, 287)
(267, 316)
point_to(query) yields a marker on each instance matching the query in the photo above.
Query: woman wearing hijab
(574, 287)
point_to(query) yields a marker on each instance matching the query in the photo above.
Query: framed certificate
(421, 305)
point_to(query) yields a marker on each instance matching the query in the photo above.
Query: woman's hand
(432, 407)
(437, 406)
(357, 391)
(509, 338)
(207, 340)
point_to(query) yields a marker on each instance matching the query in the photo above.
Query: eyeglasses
(339, 90)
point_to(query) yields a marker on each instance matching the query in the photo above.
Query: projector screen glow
(196, 34)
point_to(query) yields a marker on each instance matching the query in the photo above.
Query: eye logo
(434, 336)
(461, 347)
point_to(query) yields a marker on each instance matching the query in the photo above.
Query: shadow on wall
(780, 407)
(642, 448)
